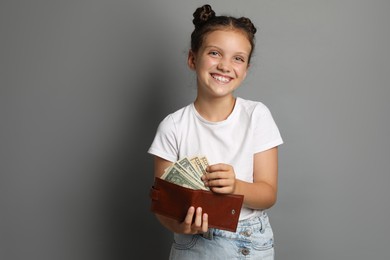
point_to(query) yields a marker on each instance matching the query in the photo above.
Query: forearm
(259, 195)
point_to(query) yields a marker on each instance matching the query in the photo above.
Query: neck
(215, 110)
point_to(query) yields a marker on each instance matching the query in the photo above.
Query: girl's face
(221, 63)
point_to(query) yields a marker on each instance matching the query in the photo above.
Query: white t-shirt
(249, 129)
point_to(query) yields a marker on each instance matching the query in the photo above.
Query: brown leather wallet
(172, 200)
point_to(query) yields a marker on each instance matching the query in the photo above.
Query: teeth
(221, 78)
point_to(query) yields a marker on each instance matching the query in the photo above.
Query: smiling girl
(239, 138)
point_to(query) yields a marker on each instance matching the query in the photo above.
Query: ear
(191, 60)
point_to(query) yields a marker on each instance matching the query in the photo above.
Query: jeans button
(245, 251)
(246, 233)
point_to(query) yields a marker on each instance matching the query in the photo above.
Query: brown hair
(206, 21)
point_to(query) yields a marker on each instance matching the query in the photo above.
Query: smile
(221, 78)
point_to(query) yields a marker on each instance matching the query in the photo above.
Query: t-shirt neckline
(223, 122)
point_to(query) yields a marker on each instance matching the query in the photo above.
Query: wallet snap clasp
(154, 193)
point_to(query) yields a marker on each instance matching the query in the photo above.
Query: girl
(239, 138)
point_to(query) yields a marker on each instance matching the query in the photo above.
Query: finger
(189, 216)
(205, 222)
(213, 175)
(222, 190)
(220, 182)
(218, 167)
(198, 217)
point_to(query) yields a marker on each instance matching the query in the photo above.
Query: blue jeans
(253, 239)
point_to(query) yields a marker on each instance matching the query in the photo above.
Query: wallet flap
(173, 201)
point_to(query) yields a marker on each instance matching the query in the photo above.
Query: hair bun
(202, 15)
(248, 24)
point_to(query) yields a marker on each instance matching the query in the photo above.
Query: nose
(223, 66)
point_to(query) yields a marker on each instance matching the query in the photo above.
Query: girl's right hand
(199, 225)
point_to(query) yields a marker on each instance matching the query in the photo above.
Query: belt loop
(209, 234)
(262, 224)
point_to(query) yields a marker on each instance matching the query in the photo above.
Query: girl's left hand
(220, 178)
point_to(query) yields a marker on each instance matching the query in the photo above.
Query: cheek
(241, 70)
(208, 63)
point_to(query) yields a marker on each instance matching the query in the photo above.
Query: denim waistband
(244, 227)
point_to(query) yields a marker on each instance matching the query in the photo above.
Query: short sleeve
(266, 133)
(164, 144)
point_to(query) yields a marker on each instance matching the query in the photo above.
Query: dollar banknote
(172, 174)
(187, 172)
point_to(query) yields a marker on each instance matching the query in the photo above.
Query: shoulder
(181, 114)
(174, 118)
(252, 107)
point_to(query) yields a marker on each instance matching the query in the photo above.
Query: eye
(239, 59)
(214, 53)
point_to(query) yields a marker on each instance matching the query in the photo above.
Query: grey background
(84, 85)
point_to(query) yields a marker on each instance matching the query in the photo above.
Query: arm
(188, 226)
(262, 193)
